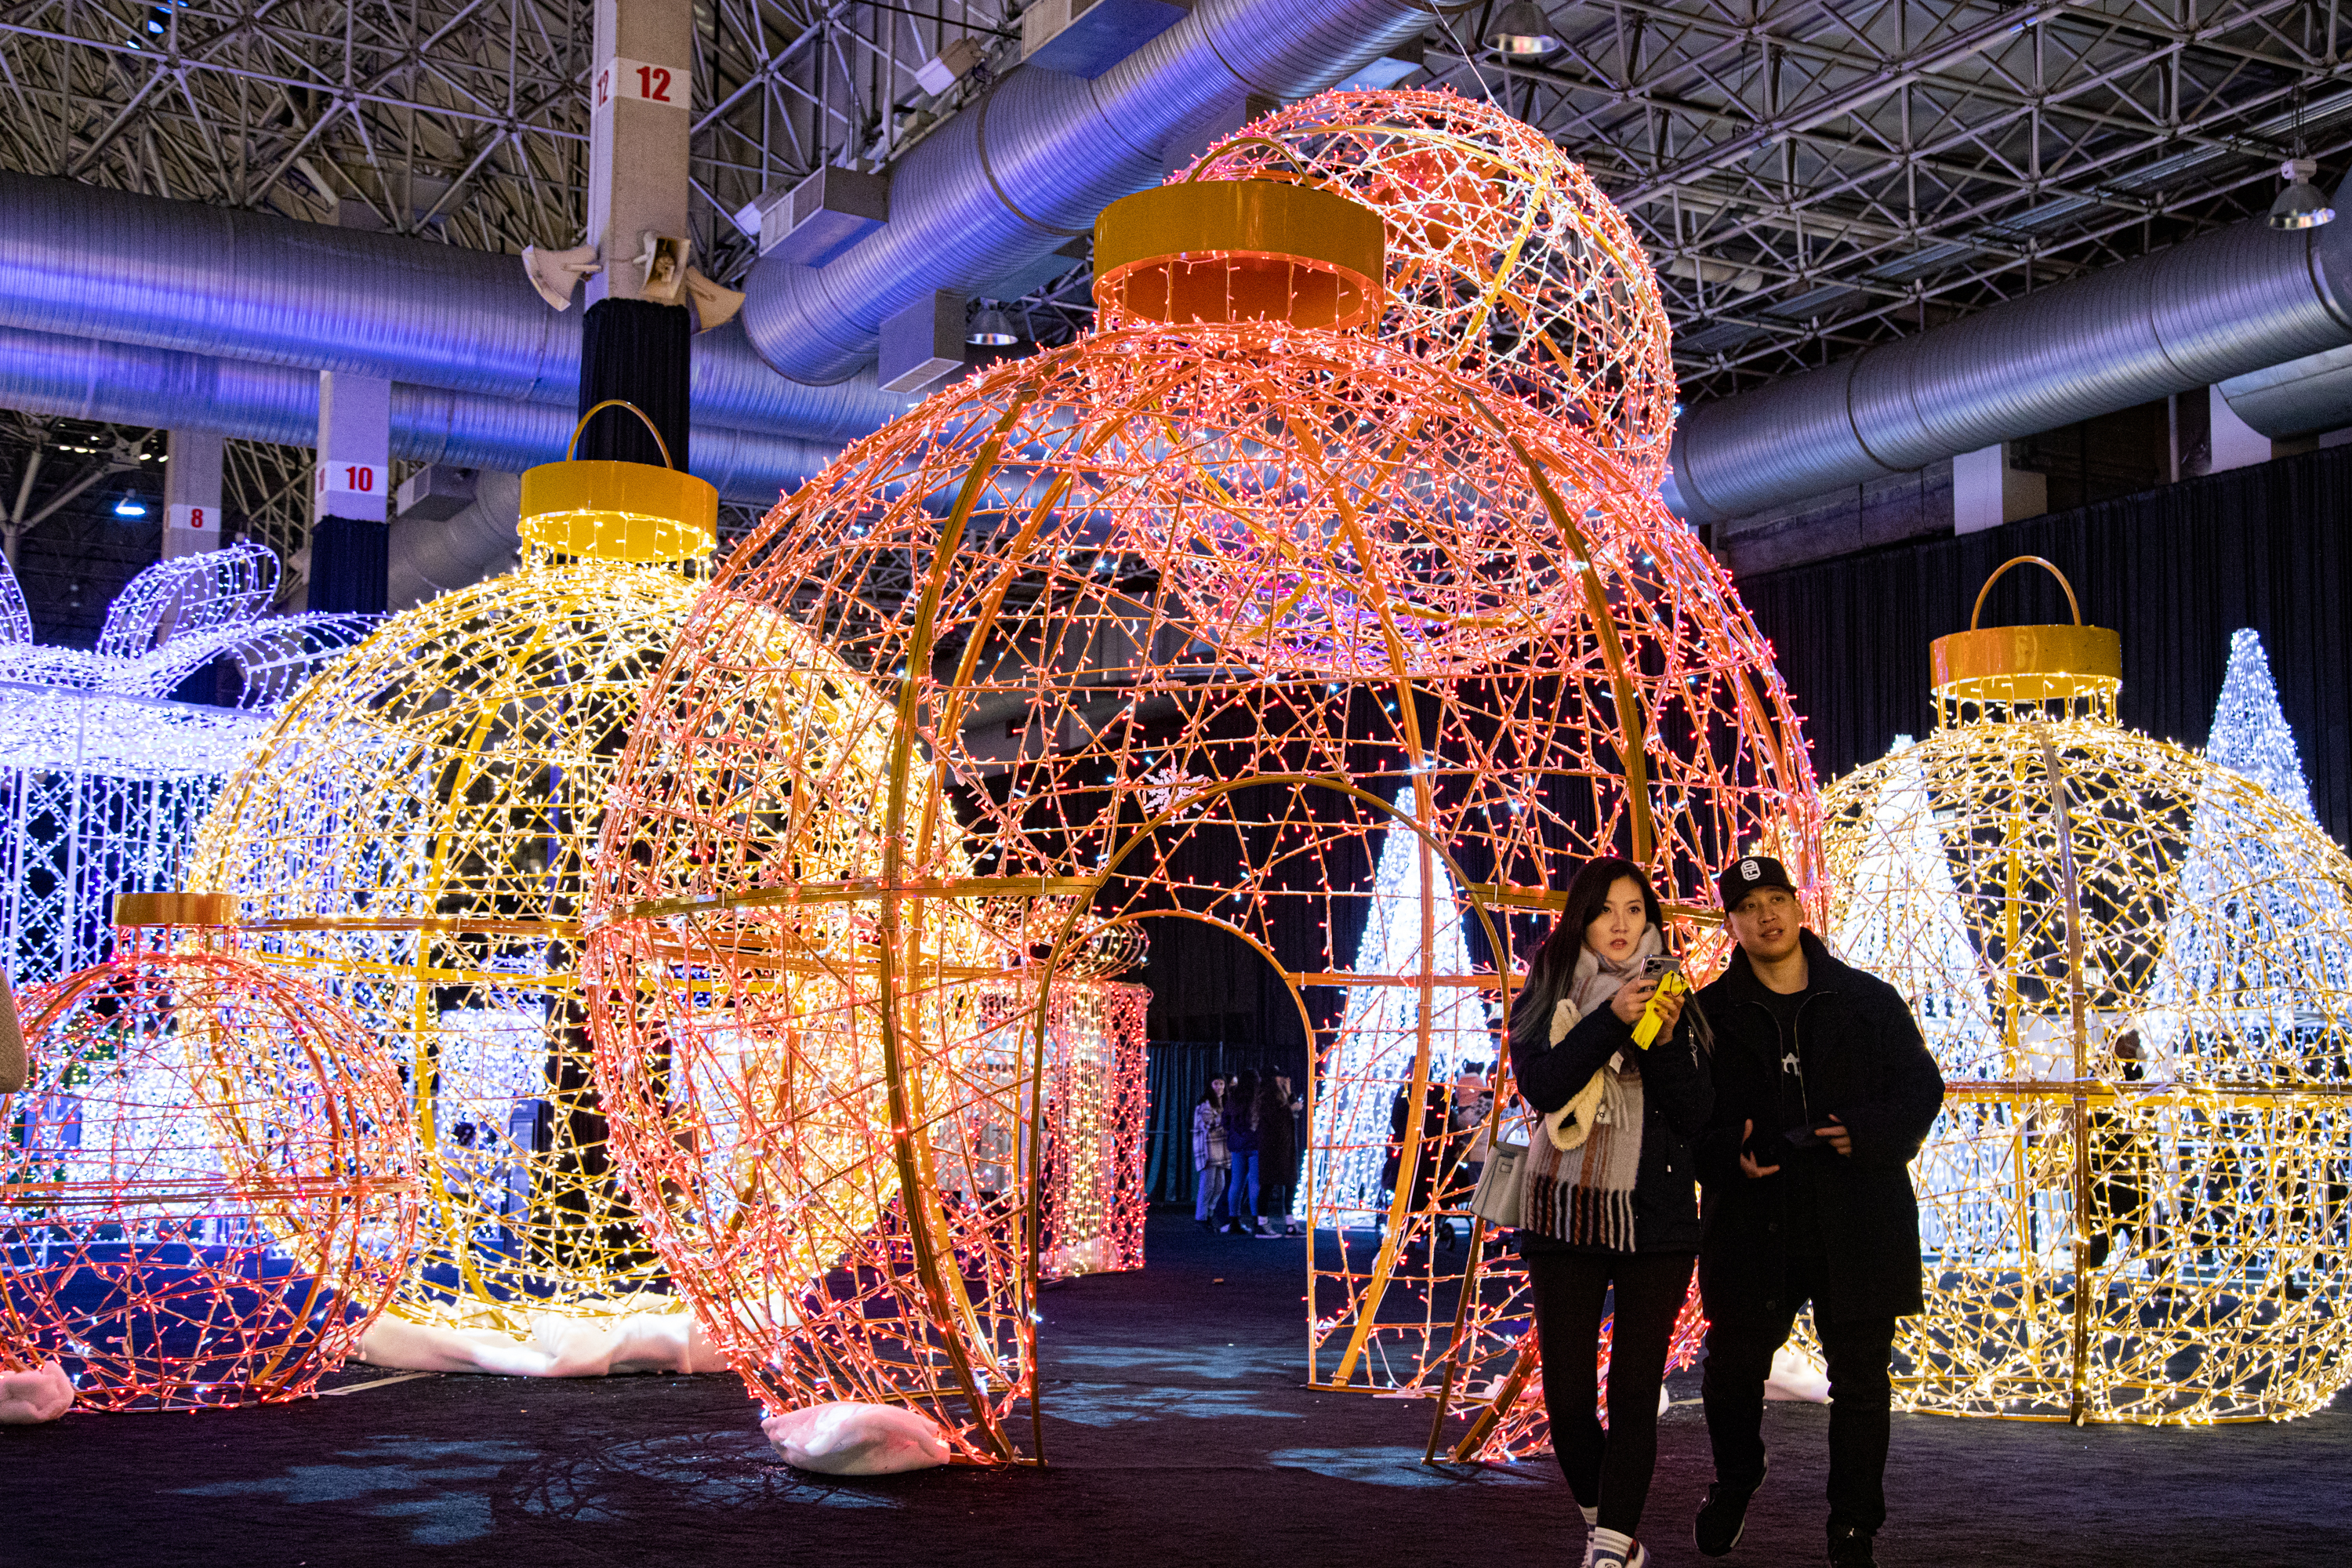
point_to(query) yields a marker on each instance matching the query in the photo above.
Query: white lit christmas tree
(2235, 913)
(1901, 914)
(2250, 733)
(1380, 1027)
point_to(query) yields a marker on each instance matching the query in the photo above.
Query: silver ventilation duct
(2209, 309)
(268, 290)
(1018, 174)
(42, 372)
(2301, 398)
(425, 558)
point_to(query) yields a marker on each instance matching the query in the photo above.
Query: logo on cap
(1747, 869)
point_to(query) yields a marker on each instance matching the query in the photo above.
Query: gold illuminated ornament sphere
(417, 835)
(2135, 968)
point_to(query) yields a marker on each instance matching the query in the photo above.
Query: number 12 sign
(636, 79)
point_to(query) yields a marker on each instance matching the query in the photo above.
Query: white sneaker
(1613, 1549)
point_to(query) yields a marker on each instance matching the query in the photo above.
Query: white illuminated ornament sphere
(2134, 969)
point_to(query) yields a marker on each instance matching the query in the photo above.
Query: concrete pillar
(348, 535)
(2235, 443)
(636, 336)
(1988, 491)
(637, 136)
(191, 494)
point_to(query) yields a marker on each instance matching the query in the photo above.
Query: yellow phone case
(1670, 984)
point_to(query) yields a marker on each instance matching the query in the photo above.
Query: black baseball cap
(1749, 872)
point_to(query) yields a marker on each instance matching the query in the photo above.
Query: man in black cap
(1823, 1092)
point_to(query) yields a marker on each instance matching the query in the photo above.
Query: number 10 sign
(359, 485)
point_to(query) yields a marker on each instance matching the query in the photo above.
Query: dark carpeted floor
(1178, 1433)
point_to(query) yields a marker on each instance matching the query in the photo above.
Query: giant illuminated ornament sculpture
(207, 1187)
(1504, 260)
(102, 777)
(2134, 967)
(416, 833)
(1157, 625)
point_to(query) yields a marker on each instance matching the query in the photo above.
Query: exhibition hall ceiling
(1809, 177)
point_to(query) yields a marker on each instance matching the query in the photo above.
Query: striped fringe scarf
(1584, 1196)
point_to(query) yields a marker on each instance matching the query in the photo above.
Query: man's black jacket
(1866, 1063)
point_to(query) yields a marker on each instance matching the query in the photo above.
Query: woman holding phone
(1608, 1209)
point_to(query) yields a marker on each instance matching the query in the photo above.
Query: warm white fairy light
(2135, 968)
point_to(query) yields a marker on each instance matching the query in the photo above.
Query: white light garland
(102, 778)
(2250, 733)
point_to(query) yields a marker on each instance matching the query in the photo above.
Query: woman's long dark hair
(1273, 1105)
(1554, 968)
(1209, 1095)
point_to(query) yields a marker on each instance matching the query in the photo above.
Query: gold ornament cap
(607, 510)
(1240, 250)
(176, 908)
(2026, 664)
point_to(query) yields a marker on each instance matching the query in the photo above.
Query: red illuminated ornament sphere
(1504, 261)
(208, 1186)
(1167, 623)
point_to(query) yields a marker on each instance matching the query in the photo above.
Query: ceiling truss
(1810, 176)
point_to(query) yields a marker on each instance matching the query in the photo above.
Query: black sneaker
(1722, 1519)
(1850, 1547)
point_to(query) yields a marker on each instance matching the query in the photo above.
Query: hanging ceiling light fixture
(129, 506)
(2301, 205)
(1521, 29)
(992, 329)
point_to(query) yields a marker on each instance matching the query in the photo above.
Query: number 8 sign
(635, 79)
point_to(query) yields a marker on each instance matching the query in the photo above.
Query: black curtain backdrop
(1180, 1071)
(2173, 571)
(348, 560)
(637, 350)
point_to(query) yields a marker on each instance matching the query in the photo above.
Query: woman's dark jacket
(1676, 1089)
(1864, 1063)
(1241, 1124)
(1278, 1138)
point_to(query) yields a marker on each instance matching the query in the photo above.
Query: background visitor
(1212, 1160)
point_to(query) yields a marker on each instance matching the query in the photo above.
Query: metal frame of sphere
(209, 1188)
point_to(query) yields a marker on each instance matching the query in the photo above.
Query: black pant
(1859, 1351)
(1612, 1468)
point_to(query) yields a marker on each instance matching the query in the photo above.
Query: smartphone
(1800, 1137)
(1658, 963)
